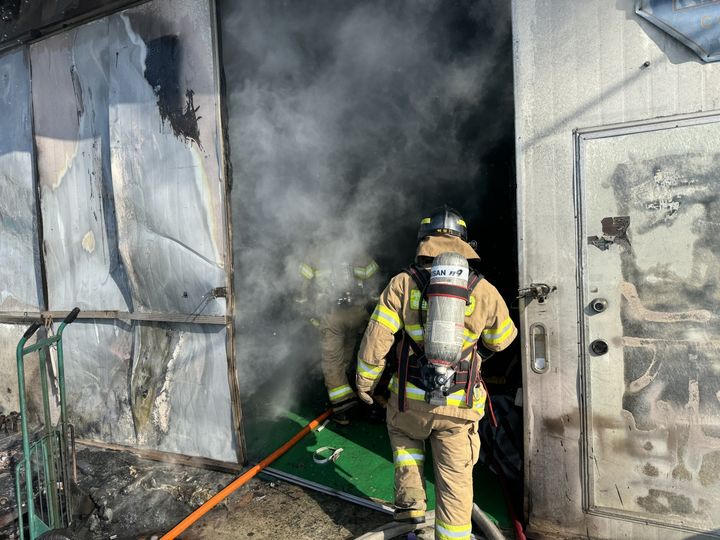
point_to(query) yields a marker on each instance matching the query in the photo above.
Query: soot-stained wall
(113, 169)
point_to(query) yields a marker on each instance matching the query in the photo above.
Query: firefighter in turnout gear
(431, 398)
(337, 289)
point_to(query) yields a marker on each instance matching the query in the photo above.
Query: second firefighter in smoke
(336, 290)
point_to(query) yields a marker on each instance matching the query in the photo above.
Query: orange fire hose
(240, 480)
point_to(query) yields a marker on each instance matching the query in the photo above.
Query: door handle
(538, 348)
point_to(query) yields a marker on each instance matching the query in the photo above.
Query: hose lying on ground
(239, 481)
(485, 524)
(395, 529)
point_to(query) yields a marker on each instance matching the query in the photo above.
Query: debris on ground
(134, 498)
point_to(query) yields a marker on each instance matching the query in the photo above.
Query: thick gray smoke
(347, 121)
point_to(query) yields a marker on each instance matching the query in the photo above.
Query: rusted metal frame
(165, 457)
(226, 171)
(29, 316)
(38, 34)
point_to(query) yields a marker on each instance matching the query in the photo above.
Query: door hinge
(537, 291)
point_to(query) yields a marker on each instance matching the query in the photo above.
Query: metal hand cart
(43, 483)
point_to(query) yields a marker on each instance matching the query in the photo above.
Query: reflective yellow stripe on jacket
(499, 333)
(456, 399)
(366, 272)
(339, 393)
(387, 317)
(367, 370)
(469, 338)
(306, 271)
(415, 298)
(416, 332)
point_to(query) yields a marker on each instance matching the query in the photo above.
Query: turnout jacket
(329, 278)
(487, 324)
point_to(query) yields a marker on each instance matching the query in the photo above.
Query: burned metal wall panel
(164, 157)
(127, 131)
(70, 103)
(98, 363)
(10, 334)
(127, 136)
(179, 390)
(151, 385)
(20, 281)
(578, 64)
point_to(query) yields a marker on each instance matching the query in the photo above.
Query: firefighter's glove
(365, 397)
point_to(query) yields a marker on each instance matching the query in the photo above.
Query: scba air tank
(447, 296)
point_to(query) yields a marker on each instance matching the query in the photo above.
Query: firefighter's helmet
(443, 220)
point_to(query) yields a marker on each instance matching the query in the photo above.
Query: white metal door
(648, 200)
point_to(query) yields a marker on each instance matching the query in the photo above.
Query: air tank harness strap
(404, 365)
(421, 277)
(470, 374)
(451, 291)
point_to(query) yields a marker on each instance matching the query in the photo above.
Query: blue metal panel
(695, 23)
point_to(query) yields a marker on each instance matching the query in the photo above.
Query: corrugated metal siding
(578, 64)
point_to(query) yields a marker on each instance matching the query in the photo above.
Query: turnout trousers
(339, 333)
(455, 449)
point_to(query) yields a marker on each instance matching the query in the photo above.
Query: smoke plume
(347, 121)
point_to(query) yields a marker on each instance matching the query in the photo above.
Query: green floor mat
(365, 467)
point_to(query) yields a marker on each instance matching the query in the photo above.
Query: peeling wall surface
(131, 190)
(622, 444)
(170, 210)
(20, 283)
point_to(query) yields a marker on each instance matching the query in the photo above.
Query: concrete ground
(281, 510)
(134, 498)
